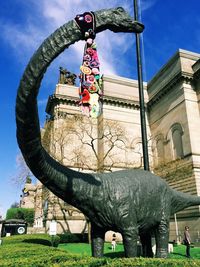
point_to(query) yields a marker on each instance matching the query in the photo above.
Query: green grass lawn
(84, 249)
(36, 251)
(179, 252)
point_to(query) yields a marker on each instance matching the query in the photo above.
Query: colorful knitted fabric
(90, 89)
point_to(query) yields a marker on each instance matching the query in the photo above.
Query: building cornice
(122, 80)
(181, 53)
(196, 69)
(119, 102)
(181, 77)
(197, 75)
(56, 99)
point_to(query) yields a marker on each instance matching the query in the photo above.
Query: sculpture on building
(67, 77)
(132, 202)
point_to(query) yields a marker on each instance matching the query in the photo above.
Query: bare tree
(60, 211)
(80, 142)
(22, 172)
(15, 205)
(85, 144)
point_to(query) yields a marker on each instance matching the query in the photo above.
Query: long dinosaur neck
(55, 176)
(47, 170)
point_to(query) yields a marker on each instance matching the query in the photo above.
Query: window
(177, 133)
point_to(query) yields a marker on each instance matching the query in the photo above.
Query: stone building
(172, 101)
(174, 120)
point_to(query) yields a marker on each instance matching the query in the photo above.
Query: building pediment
(179, 69)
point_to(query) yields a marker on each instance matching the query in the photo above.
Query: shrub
(16, 252)
(73, 238)
(42, 239)
(21, 213)
(55, 240)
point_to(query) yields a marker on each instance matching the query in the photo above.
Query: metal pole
(141, 95)
(176, 227)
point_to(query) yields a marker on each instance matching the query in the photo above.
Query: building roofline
(122, 80)
(113, 101)
(179, 53)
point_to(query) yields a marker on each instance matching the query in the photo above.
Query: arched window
(177, 133)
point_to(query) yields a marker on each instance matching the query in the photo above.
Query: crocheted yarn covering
(90, 90)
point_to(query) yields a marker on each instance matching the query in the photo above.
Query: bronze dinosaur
(132, 202)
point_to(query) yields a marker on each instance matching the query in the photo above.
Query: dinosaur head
(116, 20)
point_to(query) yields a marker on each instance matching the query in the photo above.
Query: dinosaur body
(131, 202)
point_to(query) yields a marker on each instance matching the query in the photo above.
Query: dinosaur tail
(180, 201)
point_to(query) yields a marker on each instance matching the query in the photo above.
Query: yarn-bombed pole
(141, 95)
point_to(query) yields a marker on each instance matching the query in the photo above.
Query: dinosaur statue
(132, 202)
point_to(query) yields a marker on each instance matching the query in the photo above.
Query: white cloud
(146, 4)
(25, 38)
(21, 40)
(59, 11)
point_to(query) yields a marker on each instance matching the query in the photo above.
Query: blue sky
(24, 24)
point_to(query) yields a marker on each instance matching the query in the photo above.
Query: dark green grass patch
(84, 249)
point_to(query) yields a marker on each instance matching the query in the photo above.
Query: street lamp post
(141, 95)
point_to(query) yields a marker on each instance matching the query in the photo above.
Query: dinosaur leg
(162, 239)
(146, 245)
(97, 236)
(130, 237)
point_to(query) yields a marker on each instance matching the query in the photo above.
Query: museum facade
(113, 140)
